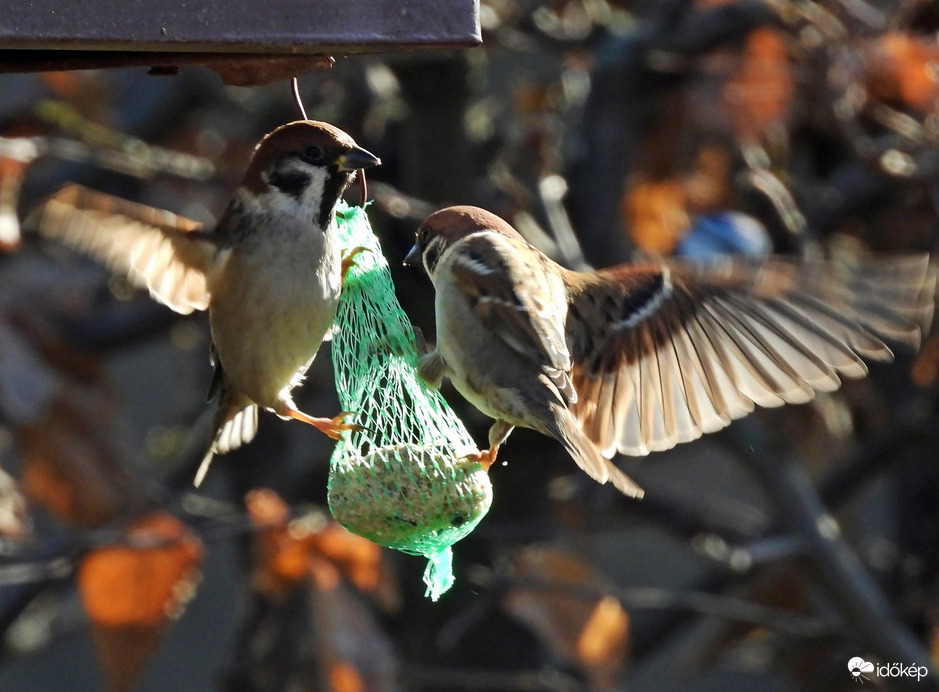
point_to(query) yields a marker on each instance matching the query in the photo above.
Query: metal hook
(298, 101)
(295, 84)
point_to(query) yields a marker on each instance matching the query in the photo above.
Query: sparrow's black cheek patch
(335, 185)
(432, 255)
(291, 183)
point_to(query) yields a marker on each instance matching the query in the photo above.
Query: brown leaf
(709, 185)
(63, 416)
(123, 653)
(359, 558)
(759, 93)
(289, 551)
(145, 580)
(901, 70)
(281, 559)
(591, 631)
(654, 211)
(925, 369)
(131, 590)
(68, 490)
(344, 677)
(351, 645)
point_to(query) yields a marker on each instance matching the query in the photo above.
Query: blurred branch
(867, 614)
(698, 602)
(32, 572)
(872, 458)
(134, 157)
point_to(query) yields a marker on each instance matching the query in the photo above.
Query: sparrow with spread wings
(639, 358)
(269, 273)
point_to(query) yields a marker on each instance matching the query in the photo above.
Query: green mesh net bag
(404, 481)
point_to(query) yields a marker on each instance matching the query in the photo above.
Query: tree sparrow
(638, 358)
(269, 273)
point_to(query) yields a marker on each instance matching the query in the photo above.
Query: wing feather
(489, 273)
(663, 353)
(167, 254)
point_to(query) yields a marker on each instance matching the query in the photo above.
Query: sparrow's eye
(313, 153)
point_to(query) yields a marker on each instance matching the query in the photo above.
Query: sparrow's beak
(413, 258)
(357, 158)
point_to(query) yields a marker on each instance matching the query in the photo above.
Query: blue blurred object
(724, 233)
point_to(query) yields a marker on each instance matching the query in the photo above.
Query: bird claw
(348, 260)
(485, 458)
(331, 427)
(335, 426)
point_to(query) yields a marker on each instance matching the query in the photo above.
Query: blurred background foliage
(763, 557)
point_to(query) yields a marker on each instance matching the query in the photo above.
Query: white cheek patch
(305, 205)
(314, 192)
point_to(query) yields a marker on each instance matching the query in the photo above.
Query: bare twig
(867, 614)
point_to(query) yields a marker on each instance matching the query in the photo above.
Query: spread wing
(169, 255)
(664, 353)
(489, 272)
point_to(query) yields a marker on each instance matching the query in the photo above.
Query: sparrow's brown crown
(316, 143)
(450, 225)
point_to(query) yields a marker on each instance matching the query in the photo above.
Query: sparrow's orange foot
(486, 458)
(331, 427)
(348, 260)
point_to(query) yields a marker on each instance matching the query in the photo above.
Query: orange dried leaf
(146, 580)
(287, 552)
(344, 677)
(590, 632)
(281, 556)
(359, 557)
(64, 483)
(925, 369)
(655, 214)
(130, 591)
(902, 69)
(123, 653)
(64, 426)
(603, 633)
(266, 509)
(65, 84)
(759, 93)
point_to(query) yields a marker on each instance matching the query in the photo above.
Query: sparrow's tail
(588, 457)
(236, 423)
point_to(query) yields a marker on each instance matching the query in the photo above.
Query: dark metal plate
(245, 41)
(252, 26)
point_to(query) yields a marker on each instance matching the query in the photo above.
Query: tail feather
(236, 423)
(588, 457)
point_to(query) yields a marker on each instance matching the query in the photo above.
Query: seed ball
(409, 497)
